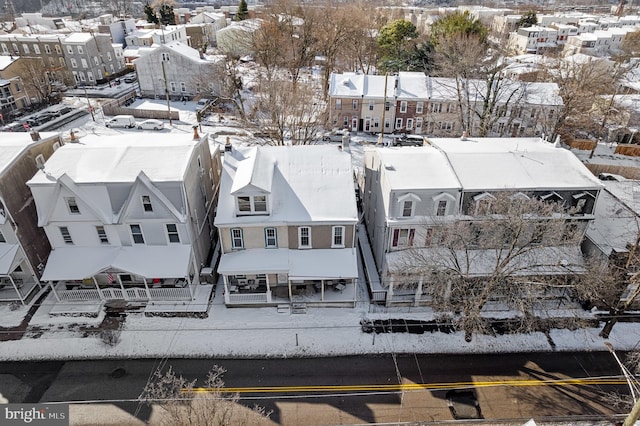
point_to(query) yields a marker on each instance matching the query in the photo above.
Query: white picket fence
(133, 293)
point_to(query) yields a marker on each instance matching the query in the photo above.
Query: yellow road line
(418, 386)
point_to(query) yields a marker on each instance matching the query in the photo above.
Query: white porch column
(53, 289)
(290, 292)
(124, 292)
(95, 282)
(322, 291)
(13, 284)
(225, 281)
(390, 290)
(268, 293)
(146, 288)
(418, 295)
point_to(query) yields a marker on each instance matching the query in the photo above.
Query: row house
(48, 47)
(24, 247)
(283, 239)
(149, 37)
(533, 39)
(176, 69)
(412, 194)
(128, 219)
(91, 57)
(417, 104)
(15, 94)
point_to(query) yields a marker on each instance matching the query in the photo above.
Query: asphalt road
(352, 390)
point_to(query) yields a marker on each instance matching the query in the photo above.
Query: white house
(287, 223)
(176, 68)
(235, 38)
(127, 218)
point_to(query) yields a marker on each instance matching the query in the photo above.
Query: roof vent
(464, 136)
(390, 167)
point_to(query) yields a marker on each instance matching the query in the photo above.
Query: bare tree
(185, 404)
(222, 82)
(287, 111)
(36, 80)
(511, 250)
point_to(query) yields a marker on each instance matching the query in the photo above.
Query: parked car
(151, 124)
(408, 140)
(127, 121)
(335, 135)
(14, 127)
(130, 79)
(463, 404)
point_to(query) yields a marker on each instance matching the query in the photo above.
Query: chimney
(72, 136)
(227, 145)
(464, 136)
(35, 136)
(196, 136)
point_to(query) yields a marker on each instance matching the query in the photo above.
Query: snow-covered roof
(412, 85)
(13, 144)
(78, 38)
(119, 158)
(514, 163)
(5, 61)
(347, 85)
(160, 261)
(416, 168)
(306, 184)
(298, 264)
(184, 50)
(617, 216)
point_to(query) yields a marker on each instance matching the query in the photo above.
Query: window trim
(103, 238)
(274, 237)
(147, 206)
(72, 205)
(308, 236)
(341, 235)
(134, 234)
(239, 238)
(171, 233)
(66, 235)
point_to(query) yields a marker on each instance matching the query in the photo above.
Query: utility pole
(166, 92)
(384, 107)
(634, 414)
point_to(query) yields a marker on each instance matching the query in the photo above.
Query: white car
(151, 124)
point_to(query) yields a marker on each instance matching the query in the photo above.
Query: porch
(16, 289)
(90, 291)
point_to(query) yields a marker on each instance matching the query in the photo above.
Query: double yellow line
(418, 386)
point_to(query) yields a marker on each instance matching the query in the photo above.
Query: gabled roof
(143, 180)
(253, 173)
(308, 184)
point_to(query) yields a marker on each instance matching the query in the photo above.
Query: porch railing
(253, 298)
(379, 295)
(170, 293)
(79, 295)
(133, 293)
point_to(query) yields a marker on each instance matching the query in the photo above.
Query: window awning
(299, 264)
(323, 264)
(7, 256)
(77, 263)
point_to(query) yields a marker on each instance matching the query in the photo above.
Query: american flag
(110, 277)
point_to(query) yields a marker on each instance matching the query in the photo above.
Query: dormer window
(441, 203)
(146, 203)
(407, 204)
(483, 203)
(251, 204)
(407, 209)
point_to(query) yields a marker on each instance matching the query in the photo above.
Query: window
(403, 237)
(338, 103)
(62, 62)
(146, 203)
(108, 56)
(371, 105)
(5, 49)
(58, 49)
(338, 236)
(2, 238)
(409, 123)
(83, 61)
(442, 208)
(183, 87)
(36, 49)
(398, 123)
(102, 235)
(436, 107)
(270, 238)
(304, 237)
(419, 107)
(387, 123)
(407, 209)
(403, 106)
(72, 205)
(90, 75)
(66, 236)
(387, 106)
(244, 204)
(172, 233)
(70, 50)
(355, 104)
(39, 161)
(80, 50)
(428, 237)
(136, 234)
(252, 204)
(236, 239)
(172, 85)
(483, 203)
(74, 63)
(165, 57)
(96, 61)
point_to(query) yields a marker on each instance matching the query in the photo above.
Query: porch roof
(76, 263)
(7, 257)
(557, 260)
(299, 264)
